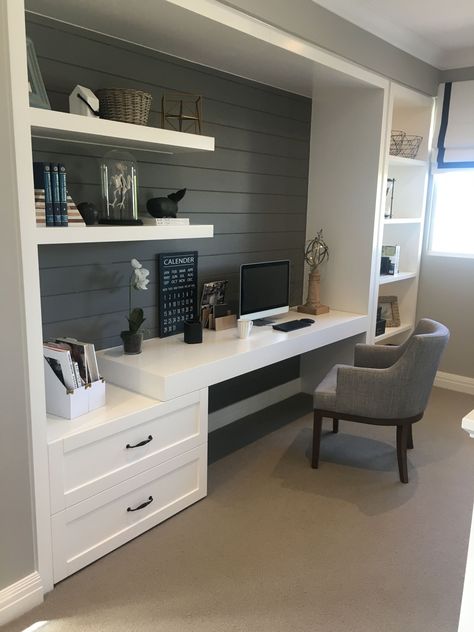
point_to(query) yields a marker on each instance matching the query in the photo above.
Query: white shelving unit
(401, 276)
(107, 234)
(411, 112)
(82, 129)
(390, 332)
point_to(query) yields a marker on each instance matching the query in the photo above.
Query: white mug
(244, 327)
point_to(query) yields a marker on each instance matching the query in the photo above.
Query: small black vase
(132, 342)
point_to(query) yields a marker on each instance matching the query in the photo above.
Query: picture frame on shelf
(390, 311)
(37, 92)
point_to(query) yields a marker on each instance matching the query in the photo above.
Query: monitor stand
(260, 322)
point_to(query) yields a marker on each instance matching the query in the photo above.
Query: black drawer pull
(142, 506)
(139, 445)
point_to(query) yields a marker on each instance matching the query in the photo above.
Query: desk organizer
(71, 403)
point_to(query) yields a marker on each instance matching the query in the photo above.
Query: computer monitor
(264, 289)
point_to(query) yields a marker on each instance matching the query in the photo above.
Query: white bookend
(71, 403)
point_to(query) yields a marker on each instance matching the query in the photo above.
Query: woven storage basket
(126, 105)
(410, 146)
(396, 141)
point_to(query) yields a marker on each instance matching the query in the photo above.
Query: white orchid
(139, 278)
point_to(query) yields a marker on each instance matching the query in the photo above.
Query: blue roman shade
(454, 132)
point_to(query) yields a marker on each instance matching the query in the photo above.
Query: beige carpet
(277, 546)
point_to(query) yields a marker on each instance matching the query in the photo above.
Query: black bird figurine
(165, 206)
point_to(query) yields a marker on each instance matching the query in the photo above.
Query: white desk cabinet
(86, 531)
(105, 467)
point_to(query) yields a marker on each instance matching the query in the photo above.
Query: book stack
(54, 207)
(73, 383)
(164, 221)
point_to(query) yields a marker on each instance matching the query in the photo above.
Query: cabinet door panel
(90, 529)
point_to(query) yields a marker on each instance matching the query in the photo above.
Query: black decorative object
(165, 206)
(386, 266)
(177, 278)
(192, 332)
(89, 213)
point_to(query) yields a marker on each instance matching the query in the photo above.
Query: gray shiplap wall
(252, 188)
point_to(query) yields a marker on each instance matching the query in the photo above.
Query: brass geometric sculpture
(182, 112)
(315, 254)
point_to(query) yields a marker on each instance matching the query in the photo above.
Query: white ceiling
(439, 32)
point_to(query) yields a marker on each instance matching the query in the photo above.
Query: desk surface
(168, 368)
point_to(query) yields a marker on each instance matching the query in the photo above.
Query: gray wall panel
(253, 188)
(119, 59)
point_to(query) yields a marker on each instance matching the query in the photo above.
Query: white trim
(452, 382)
(20, 597)
(245, 407)
(249, 25)
(381, 26)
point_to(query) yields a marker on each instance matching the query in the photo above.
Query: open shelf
(390, 332)
(400, 161)
(102, 234)
(120, 403)
(402, 220)
(82, 129)
(393, 278)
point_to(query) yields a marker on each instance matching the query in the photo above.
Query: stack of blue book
(51, 177)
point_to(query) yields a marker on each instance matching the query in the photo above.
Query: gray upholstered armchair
(387, 386)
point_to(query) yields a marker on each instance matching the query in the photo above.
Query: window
(452, 213)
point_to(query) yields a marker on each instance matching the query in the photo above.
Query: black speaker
(192, 332)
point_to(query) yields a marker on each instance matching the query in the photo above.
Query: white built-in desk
(126, 467)
(168, 368)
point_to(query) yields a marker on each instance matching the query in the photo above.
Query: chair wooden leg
(410, 437)
(402, 437)
(335, 425)
(317, 425)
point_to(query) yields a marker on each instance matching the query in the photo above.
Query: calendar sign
(178, 291)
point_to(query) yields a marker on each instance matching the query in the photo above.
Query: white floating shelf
(402, 220)
(393, 278)
(82, 129)
(97, 234)
(390, 332)
(399, 161)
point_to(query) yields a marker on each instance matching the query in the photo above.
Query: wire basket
(124, 104)
(410, 146)
(396, 141)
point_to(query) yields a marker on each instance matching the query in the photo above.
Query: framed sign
(177, 278)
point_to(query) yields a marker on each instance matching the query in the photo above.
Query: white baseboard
(20, 597)
(231, 413)
(454, 382)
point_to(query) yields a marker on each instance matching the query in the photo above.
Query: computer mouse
(307, 320)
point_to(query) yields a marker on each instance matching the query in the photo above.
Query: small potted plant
(133, 337)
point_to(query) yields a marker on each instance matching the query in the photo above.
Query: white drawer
(89, 530)
(91, 461)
